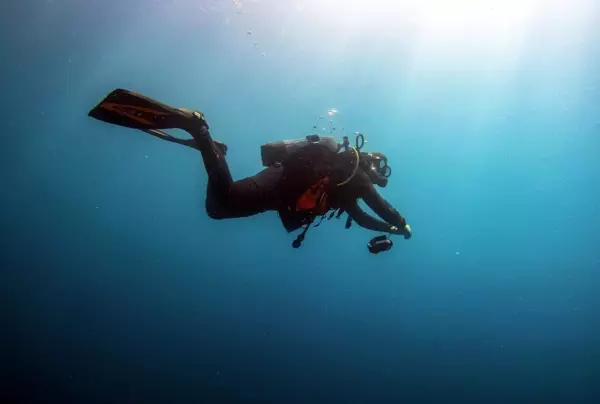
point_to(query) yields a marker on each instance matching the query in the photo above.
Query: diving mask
(378, 169)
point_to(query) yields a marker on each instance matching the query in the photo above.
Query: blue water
(117, 288)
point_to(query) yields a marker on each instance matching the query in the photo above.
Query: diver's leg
(228, 199)
(217, 169)
(225, 198)
(247, 197)
(220, 182)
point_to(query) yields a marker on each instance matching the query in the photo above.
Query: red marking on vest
(315, 198)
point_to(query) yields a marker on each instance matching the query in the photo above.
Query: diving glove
(406, 231)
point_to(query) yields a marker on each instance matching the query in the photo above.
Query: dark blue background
(117, 288)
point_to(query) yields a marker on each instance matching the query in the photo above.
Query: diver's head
(376, 167)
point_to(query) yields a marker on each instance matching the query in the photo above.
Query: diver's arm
(383, 207)
(363, 219)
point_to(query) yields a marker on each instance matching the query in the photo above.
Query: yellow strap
(355, 168)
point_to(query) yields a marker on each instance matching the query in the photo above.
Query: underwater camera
(380, 244)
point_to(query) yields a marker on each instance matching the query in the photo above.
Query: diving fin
(165, 136)
(133, 110)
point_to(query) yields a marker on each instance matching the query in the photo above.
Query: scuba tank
(275, 153)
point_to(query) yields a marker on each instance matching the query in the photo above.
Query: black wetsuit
(227, 198)
(361, 187)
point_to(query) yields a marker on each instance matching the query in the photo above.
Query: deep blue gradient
(117, 288)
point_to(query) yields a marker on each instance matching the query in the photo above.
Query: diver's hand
(406, 231)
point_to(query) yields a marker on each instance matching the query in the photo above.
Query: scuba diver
(302, 179)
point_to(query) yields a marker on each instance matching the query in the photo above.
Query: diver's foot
(194, 122)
